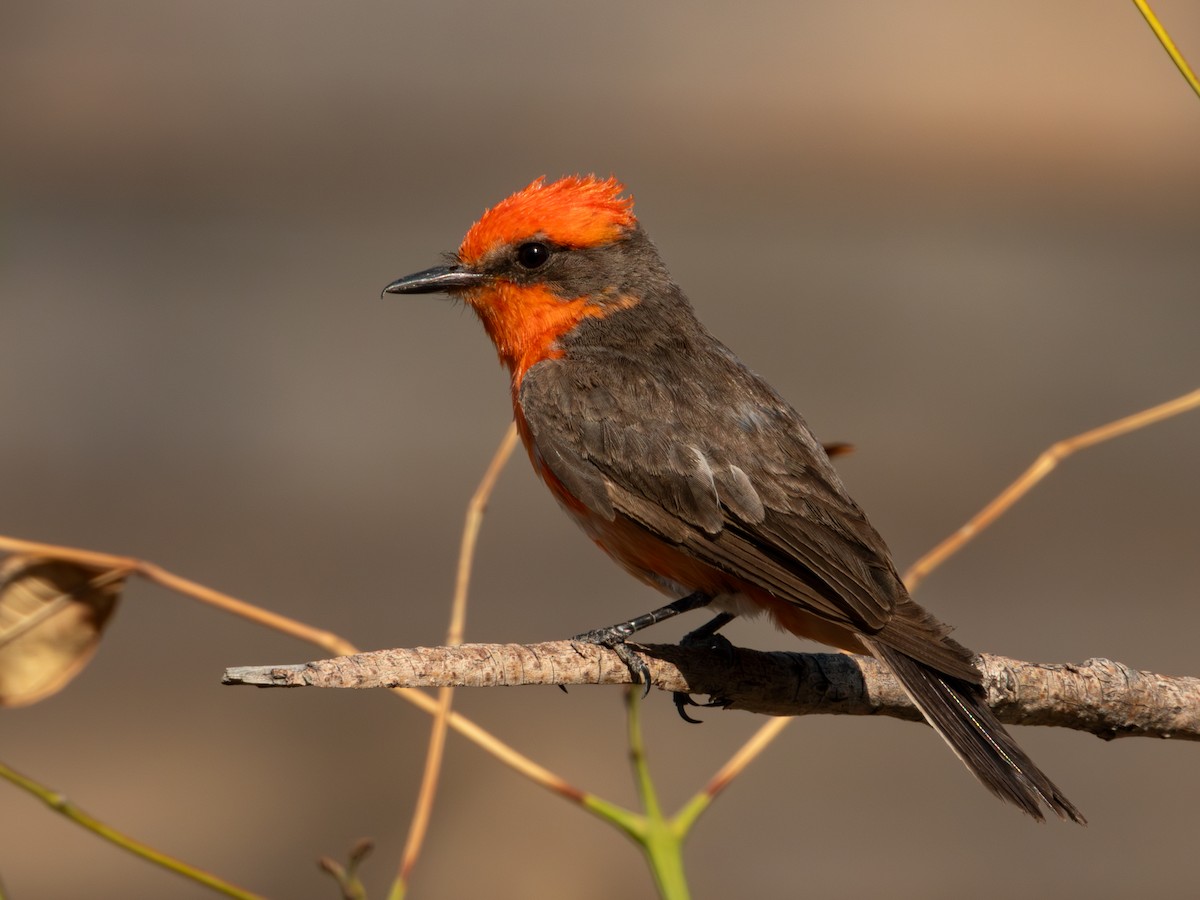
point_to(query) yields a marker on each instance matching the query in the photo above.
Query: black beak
(439, 279)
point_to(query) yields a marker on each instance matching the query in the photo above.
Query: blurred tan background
(950, 233)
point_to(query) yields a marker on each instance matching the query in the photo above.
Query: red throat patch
(525, 322)
(572, 212)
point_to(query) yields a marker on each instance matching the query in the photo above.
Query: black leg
(623, 630)
(614, 636)
(703, 636)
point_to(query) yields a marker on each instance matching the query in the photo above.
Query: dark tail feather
(958, 712)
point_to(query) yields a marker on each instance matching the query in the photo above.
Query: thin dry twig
(745, 755)
(454, 635)
(127, 565)
(1169, 45)
(1105, 698)
(1042, 467)
(326, 640)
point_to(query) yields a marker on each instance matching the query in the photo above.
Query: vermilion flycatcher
(690, 470)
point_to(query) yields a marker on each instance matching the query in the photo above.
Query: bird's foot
(704, 638)
(717, 643)
(614, 637)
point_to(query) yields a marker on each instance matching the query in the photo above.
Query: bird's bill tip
(439, 279)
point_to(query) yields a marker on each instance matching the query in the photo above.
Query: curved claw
(681, 700)
(638, 670)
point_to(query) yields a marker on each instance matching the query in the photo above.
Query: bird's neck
(526, 323)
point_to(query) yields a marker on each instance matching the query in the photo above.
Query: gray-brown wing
(712, 459)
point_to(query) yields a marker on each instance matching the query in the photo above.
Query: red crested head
(573, 212)
(537, 264)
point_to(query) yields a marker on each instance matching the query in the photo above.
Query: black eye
(533, 254)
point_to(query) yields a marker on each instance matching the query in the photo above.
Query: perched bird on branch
(691, 471)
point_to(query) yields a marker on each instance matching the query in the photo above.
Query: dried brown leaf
(52, 614)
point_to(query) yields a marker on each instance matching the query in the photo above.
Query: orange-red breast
(690, 470)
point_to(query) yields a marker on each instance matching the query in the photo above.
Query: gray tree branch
(1106, 698)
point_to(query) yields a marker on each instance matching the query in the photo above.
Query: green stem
(686, 817)
(661, 841)
(62, 805)
(663, 847)
(637, 753)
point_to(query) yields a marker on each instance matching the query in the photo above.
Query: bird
(689, 469)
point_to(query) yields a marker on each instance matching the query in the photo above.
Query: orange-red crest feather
(574, 212)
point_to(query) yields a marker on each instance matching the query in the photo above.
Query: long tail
(957, 711)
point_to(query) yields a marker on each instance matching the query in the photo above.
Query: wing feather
(745, 487)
